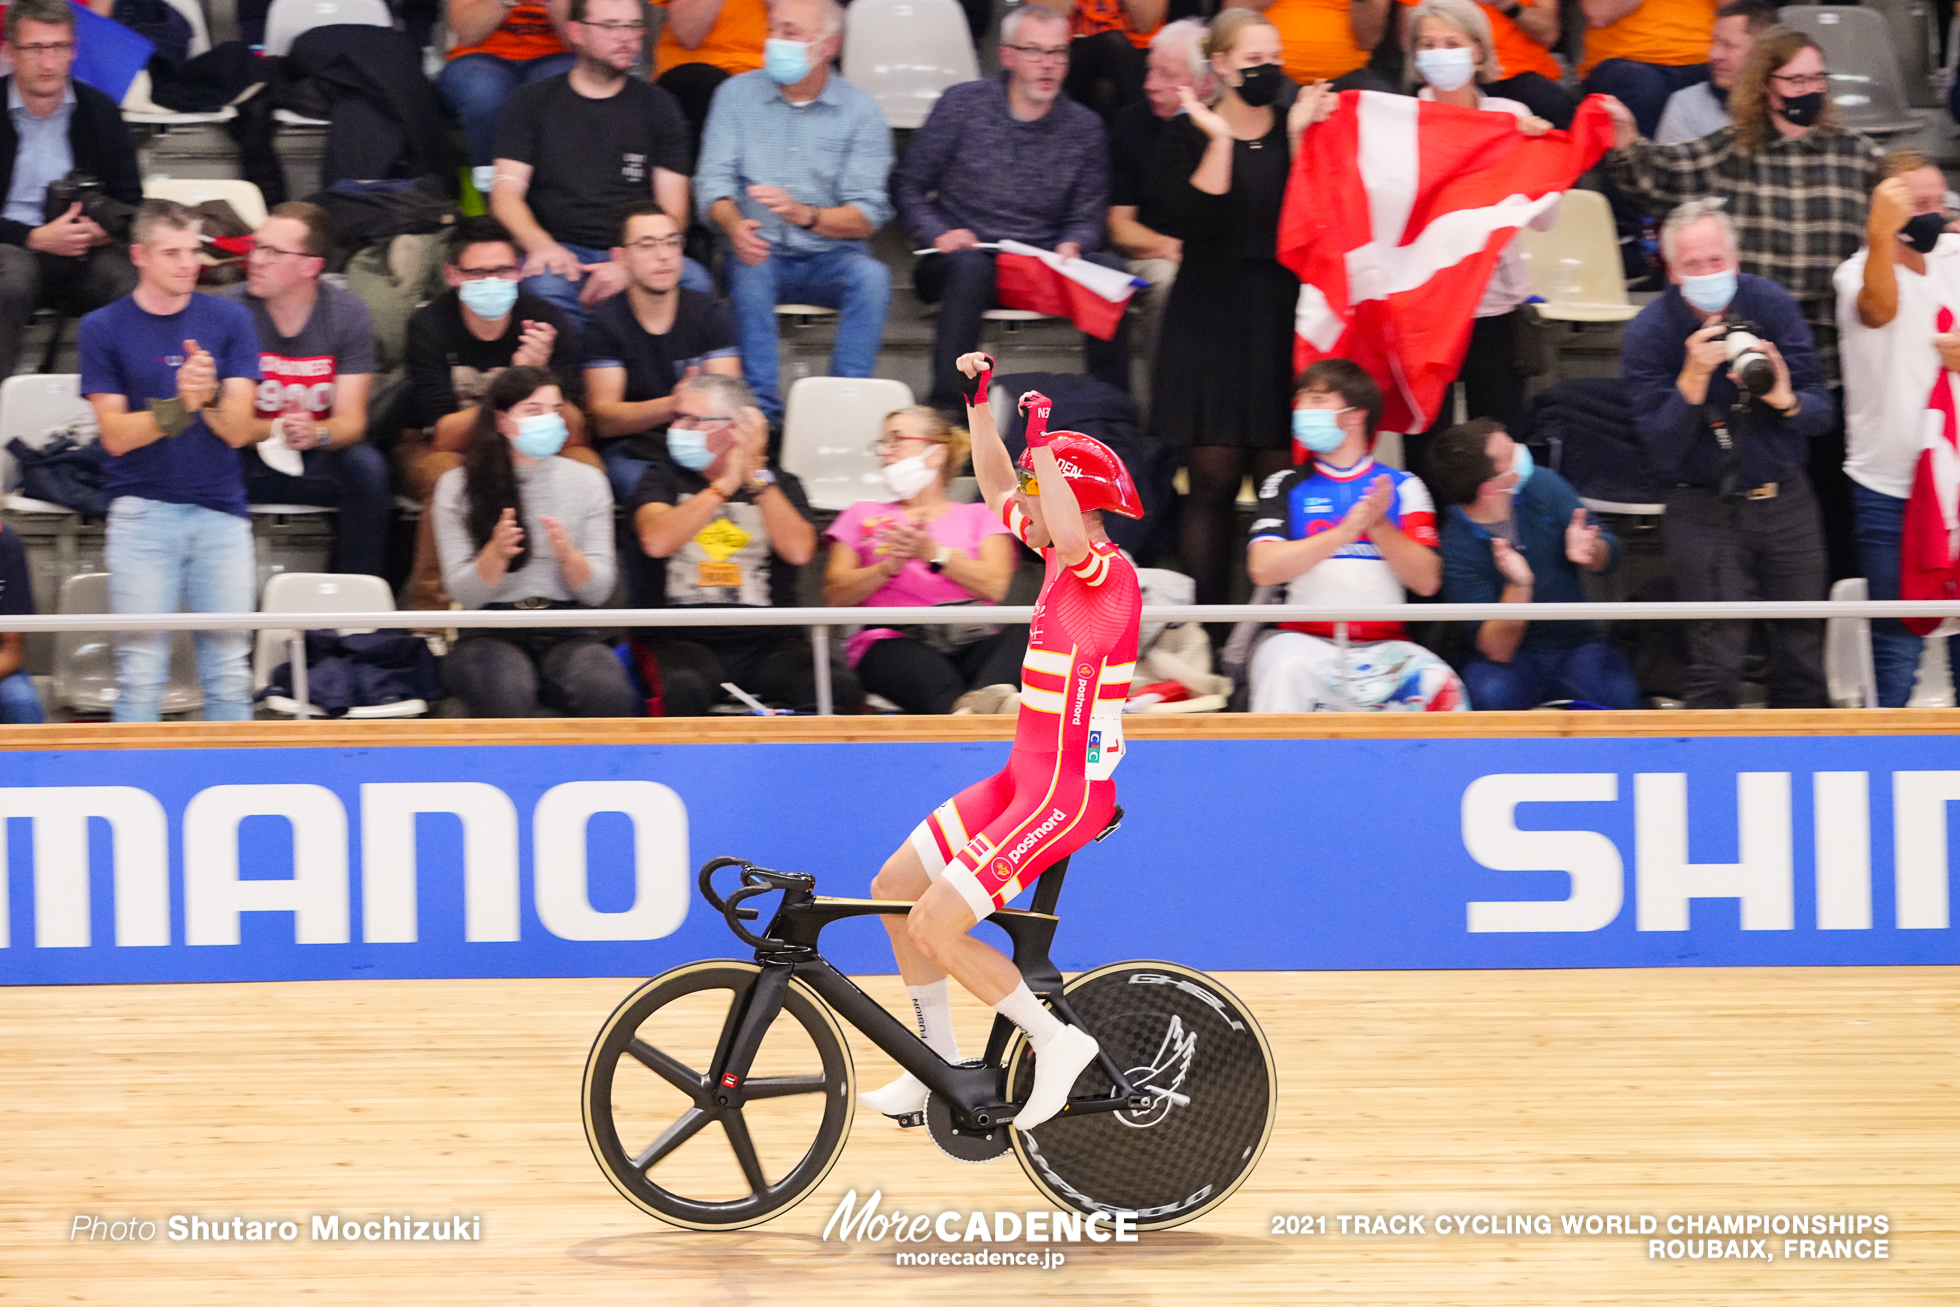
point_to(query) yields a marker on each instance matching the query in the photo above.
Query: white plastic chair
(1848, 669)
(85, 661)
(829, 425)
(320, 592)
(30, 406)
(905, 53)
(1866, 84)
(287, 19)
(243, 196)
(1916, 42)
(1576, 265)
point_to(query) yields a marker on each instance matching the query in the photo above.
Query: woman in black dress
(1223, 375)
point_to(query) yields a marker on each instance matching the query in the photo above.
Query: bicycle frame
(788, 948)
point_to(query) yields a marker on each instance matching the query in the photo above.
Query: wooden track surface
(805, 730)
(1654, 1091)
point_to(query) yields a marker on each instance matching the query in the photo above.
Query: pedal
(911, 1119)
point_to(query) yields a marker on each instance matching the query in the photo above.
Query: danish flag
(1089, 295)
(1927, 566)
(1394, 218)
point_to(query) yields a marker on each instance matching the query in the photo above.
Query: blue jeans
(847, 279)
(1880, 523)
(476, 86)
(1593, 672)
(1643, 88)
(354, 480)
(622, 468)
(564, 293)
(167, 558)
(20, 702)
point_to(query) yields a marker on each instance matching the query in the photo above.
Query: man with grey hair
(56, 258)
(1727, 425)
(1176, 61)
(793, 172)
(731, 531)
(171, 375)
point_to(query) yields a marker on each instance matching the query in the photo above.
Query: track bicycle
(1166, 1123)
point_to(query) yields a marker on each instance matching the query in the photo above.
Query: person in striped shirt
(981, 847)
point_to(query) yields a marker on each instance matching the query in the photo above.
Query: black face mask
(1923, 231)
(1802, 110)
(1259, 85)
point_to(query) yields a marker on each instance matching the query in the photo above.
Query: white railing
(820, 620)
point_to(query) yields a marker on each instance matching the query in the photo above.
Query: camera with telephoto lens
(1747, 359)
(100, 207)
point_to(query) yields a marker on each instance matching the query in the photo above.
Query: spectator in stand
(500, 46)
(55, 125)
(1516, 534)
(1518, 63)
(1891, 296)
(1341, 529)
(170, 374)
(1177, 61)
(1006, 157)
(1327, 40)
(574, 150)
(1223, 379)
(1450, 53)
(918, 549)
(20, 702)
(1697, 110)
(519, 527)
(702, 44)
(1741, 520)
(793, 171)
(1643, 51)
(1796, 183)
(457, 343)
(1108, 41)
(316, 368)
(733, 532)
(639, 345)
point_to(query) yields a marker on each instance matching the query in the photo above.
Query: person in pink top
(917, 550)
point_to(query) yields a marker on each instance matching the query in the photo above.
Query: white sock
(1026, 1011)
(935, 1012)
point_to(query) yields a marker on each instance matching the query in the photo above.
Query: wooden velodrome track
(1718, 1091)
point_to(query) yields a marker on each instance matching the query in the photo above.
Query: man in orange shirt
(1642, 51)
(702, 44)
(500, 46)
(1327, 40)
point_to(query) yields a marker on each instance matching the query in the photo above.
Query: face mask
(1710, 292)
(1318, 429)
(1446, 70)
(908, 476)
(488, 297)
(1522, 463)
(787, 62)
(1259, 84)
(1802, 110)
(540, 435)
(1924, 231)
(689, 448)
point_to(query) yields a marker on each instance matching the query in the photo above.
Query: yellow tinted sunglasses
(1029, 484)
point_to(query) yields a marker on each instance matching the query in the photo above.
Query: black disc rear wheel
(1177, 1029)
(652, 1117)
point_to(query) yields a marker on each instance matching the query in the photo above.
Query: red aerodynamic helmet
(1094, 472)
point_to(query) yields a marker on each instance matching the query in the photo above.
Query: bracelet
(171, 416)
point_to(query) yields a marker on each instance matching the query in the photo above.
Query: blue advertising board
(333, 863)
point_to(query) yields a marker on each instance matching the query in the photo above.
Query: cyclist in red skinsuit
(980, 848)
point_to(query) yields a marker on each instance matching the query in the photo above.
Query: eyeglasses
(614, 29)
(270, 253)
(1801, 82)
(889, 444)
(665, 244)
(50, 47)
(701, 424)
(509, 272)
(1041, 53)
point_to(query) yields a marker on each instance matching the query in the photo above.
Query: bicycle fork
(749, 1019)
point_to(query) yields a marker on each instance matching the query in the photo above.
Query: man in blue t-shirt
(171, 374)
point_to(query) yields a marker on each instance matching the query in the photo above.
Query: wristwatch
(760, 482)
(940, 559)
(812, 224)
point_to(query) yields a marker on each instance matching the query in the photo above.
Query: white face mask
(1446, 70)
(908, 476)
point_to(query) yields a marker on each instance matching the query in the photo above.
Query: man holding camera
(1723, 381)
(57, 130)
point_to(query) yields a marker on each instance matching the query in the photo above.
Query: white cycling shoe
(901, 1097)
(1055, 1070)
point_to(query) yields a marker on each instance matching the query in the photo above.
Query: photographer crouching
(1727, 396)
(67, 168)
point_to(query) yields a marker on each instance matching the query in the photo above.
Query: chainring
(963, 1145)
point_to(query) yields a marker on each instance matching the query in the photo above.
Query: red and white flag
(1394, 218)
(1928, 567)
(1089, 295)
